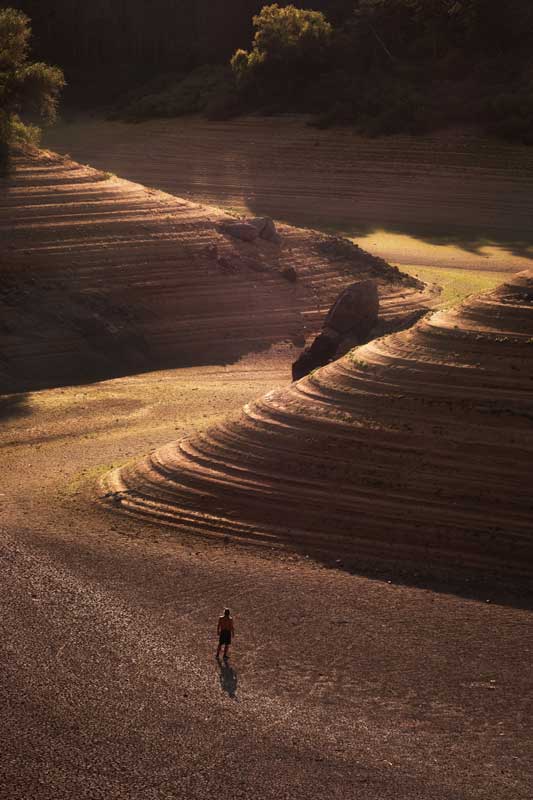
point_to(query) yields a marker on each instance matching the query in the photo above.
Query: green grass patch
(457, 284)
(361, 365)
(86, 477)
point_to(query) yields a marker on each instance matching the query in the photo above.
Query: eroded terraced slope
(416, 446)
(101, 276)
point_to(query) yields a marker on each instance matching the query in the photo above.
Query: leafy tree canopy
(24, 85)
(288, 42)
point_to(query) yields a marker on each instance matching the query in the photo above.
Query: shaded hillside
(415, 447)
(102, 277)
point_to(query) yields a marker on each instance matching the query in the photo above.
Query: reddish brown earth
(453, 188)
(416, 447)
(345, 686)
(101, 277)
(342, 685)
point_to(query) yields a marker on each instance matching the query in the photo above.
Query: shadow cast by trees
(13, 406)
(469, 239)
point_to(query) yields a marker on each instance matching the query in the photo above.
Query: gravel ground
(339, 685)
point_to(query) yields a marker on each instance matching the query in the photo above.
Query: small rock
(266, 228)
(290, 274)
(240, 230)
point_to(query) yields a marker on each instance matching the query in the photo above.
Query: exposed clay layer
(101, 276)
(416, 446)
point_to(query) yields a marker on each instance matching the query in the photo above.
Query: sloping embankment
(417, 446)
(102, 277)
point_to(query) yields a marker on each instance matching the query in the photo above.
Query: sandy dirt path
(450, 200)
(340, 685)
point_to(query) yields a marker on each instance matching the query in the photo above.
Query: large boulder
(349, 322)
(319, 353)
(356, 310)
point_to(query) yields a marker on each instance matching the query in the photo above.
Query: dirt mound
(417, 447)
(102, 277)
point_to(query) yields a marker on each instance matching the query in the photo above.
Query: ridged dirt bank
(453, 187)
(102, 277)
(417, 446)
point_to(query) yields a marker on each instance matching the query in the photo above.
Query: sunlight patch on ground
(457, 284)
(428, 252)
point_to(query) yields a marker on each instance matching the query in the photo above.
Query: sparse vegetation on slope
(457, 284)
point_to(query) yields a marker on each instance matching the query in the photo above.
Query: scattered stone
(290, 274)
(266, 228)
(244, 231)
(249, 230)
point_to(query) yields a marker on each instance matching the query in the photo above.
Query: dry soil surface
(417, 446)
(453, 199)
(339, 685)
(101, 277)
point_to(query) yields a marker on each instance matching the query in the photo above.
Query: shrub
(290, 48)
(25, 133)
(207, 89)
(380, 105)
(24, 85)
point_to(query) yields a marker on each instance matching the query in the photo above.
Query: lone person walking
(225, 631)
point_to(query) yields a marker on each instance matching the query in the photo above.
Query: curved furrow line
(417, 446)
(105, 277)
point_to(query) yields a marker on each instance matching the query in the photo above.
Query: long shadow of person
(228, 678)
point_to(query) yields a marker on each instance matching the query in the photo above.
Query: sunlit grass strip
(457, 284)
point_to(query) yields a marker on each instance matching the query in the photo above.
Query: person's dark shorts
(225, 637)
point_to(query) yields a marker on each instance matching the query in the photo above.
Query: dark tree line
(385, 65)
(162, 35)
(159, 34)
